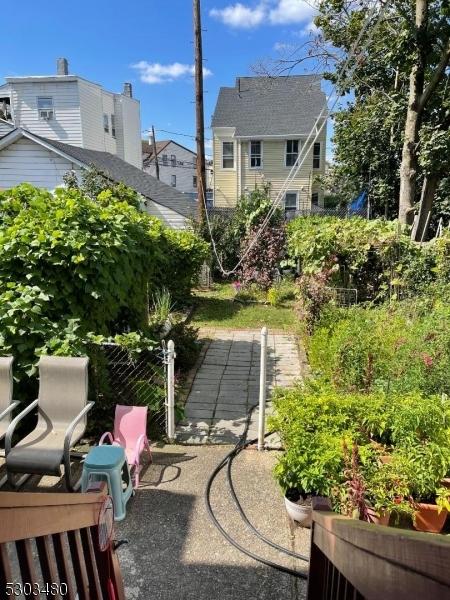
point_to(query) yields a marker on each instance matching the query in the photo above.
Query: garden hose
(227, 460)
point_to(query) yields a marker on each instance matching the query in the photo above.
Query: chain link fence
(120, 375)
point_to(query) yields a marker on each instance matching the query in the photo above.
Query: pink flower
(427, 359)
(237, 285)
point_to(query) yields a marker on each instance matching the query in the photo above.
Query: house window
(228, 155)
(113, 125)
(290, 201)
(316, 156)
(291, 152)
(315, 199)
(194, 181)
(105, 124)
(173, 181)
(45, 108)
(173, 160)
(165, 161)
(255, 155)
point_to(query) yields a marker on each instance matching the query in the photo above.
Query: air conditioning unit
(46, 115)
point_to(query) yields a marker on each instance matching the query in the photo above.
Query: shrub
(261, 252)
(403, 347)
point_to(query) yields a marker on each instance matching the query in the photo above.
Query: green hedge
(70, 265)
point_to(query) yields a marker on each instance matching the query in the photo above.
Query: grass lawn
(215, 308)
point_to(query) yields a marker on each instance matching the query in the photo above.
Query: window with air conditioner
(45, 108)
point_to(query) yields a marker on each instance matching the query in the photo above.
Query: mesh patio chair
(7, 404)
(62, 409)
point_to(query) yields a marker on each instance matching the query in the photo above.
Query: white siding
(109, 142)
(65, 126)
(167, 216)
(128, 126)
(91, 108)
(27, 162)
(184, 171)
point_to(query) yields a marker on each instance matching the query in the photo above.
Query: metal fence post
(170, 423)
(262, 389)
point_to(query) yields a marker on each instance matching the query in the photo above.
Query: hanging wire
(324, 114)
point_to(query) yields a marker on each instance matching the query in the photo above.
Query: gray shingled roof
(260, 106)
(119, 170)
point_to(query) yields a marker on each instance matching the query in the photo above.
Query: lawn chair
(7, 405)
(62, 408)
(130, 432)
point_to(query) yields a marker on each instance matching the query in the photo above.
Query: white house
(177, 165)
(259, 128)
(43, 162)
(72, 110)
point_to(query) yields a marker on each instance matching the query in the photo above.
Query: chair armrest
(10, 408)
(71, 427)
(14, 423)
(139, 443)
(108, 434)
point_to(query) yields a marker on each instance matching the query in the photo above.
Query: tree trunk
(408, 168)
(429, 187)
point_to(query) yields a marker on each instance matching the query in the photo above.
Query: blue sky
(150, 44)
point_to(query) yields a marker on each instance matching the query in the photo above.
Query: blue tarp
(359, 204)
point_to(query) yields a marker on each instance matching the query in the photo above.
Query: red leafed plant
(262, 252)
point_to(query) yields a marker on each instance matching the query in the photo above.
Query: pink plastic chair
(130, 432)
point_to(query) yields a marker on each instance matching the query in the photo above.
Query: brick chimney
(127, 90)
(62, 66)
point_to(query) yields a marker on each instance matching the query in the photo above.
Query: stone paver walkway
(226, 384)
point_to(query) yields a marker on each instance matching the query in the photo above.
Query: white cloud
(291, 11)
(273, 12)
(156, 73)
(282, 47)
(240, 16)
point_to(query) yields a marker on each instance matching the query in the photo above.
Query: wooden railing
(49, 548)
(354, 560)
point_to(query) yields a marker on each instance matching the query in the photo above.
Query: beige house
(259, 128)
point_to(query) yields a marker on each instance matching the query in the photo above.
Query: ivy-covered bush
(370, 255)
(71, 265)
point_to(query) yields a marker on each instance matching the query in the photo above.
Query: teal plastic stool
(109, 463)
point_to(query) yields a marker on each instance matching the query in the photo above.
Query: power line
(177, 133)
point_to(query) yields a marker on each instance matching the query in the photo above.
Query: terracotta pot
(379, 518)
(428, 518)
(302, 513)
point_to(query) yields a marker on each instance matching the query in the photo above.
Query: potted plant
(431, 516)
(387, 493)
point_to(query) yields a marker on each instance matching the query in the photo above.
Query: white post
(262, 389)
(170, 390)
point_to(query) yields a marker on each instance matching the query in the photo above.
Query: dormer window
(45, 108)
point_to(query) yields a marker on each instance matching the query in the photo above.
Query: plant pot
(301, 513)
(379, 517)
(428, 518)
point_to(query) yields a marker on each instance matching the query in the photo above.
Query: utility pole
(154, 152)
(199, 112)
